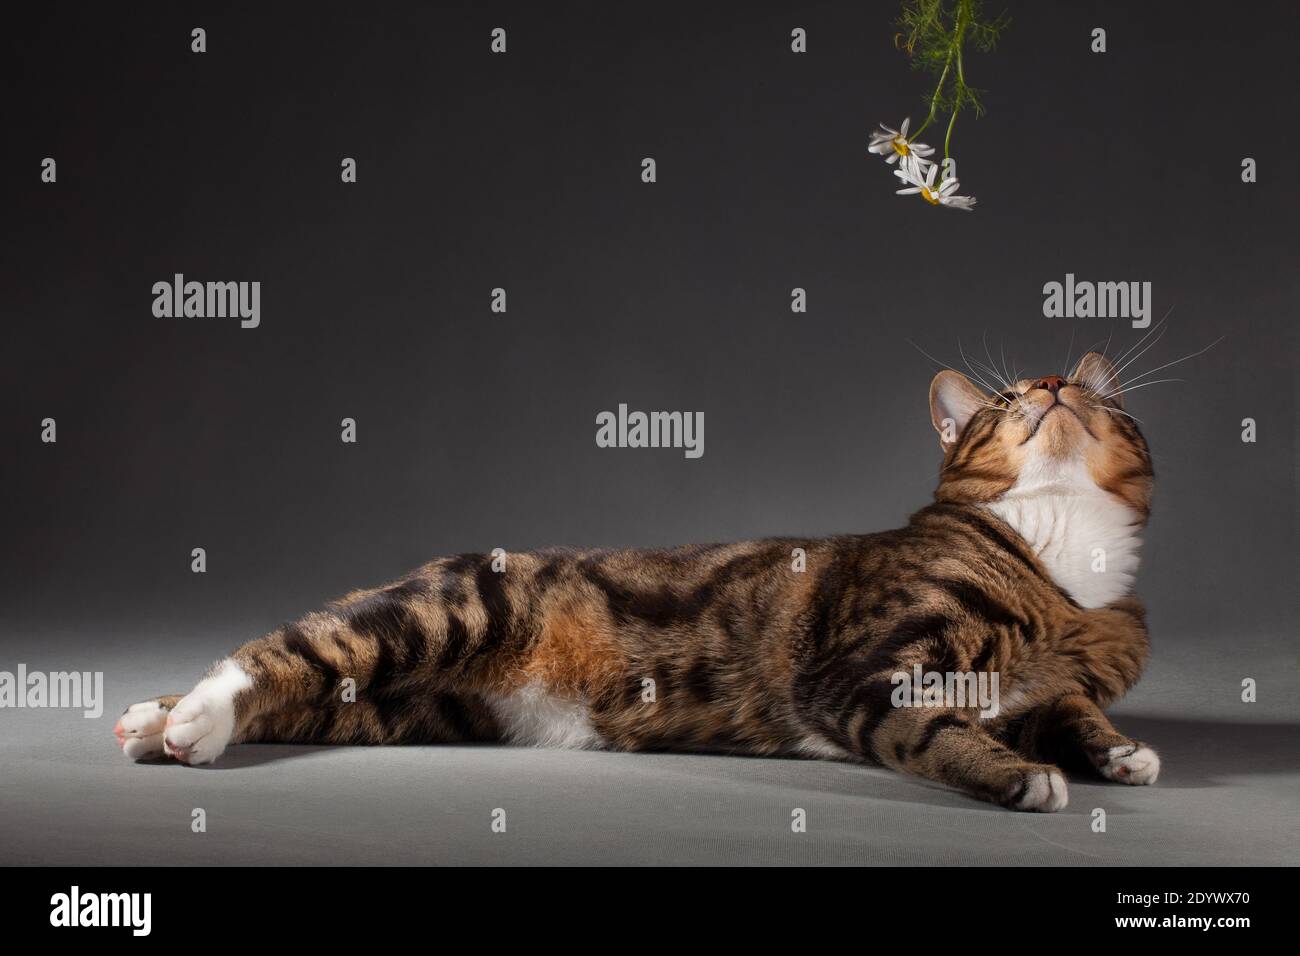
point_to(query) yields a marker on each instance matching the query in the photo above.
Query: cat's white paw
(139, 731)
(1044, 793)
(1131, 764)
(201, 724)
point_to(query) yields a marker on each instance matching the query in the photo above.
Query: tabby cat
(1021, 566)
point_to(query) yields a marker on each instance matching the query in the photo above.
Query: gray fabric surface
(1227, 794)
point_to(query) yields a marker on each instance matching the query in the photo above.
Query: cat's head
(1040, 436)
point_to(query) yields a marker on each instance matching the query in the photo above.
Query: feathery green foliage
(933, 33)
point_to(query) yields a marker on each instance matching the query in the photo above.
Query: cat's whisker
(979, 370)
(1163, 326)
(1097, 346)
(1102, 347)
(989, 356)
(1118, 411)
(1134, 388)
(1138, 378)
(1141, 341)
(1002, 386)
(1002, 351)
(980, 378)
(932, 358)
(1109, 337)
(1069, 349)
(986, 368)
(987, 387)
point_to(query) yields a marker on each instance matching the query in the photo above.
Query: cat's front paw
(1133, 764)
(1041, 791)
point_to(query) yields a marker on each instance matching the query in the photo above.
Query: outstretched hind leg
(415, 717)
(193, 728)
(397, 664)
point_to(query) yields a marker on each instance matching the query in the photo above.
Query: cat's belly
(533, 716)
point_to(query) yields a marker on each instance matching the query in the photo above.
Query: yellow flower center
(930, 195)
(900, 146)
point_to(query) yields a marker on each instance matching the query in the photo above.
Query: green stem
(961, 82)
(934, 100)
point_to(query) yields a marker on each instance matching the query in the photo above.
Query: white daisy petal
(914, 168)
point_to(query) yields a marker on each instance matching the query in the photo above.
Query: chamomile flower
(958, 202)
(893, 143)
(921, 182)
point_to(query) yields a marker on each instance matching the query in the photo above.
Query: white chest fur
(1085, 538)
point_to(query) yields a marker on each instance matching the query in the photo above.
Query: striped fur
(730, 647)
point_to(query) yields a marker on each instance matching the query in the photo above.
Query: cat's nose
(1052, 383)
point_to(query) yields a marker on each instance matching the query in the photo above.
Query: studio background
(477, 430)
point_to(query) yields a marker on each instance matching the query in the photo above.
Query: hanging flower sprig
(933, 34)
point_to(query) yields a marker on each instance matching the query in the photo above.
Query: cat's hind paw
(139, 730)
(1133, 764)
(200, 726)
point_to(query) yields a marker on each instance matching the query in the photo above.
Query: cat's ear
(1095, 373)
(953, 400)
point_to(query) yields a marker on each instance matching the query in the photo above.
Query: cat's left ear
(953, 401)
(1096, 373)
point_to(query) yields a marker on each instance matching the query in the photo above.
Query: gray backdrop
(476, 430)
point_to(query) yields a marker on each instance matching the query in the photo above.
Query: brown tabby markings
(745, 653)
